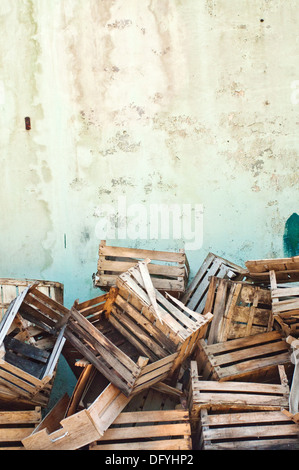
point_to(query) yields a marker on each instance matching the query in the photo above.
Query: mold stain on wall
(291, 236)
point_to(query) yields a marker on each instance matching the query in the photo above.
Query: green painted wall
(158, 101)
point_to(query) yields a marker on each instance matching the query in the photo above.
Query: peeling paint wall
(160, 101)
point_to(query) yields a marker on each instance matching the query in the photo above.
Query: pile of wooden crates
(161, 363)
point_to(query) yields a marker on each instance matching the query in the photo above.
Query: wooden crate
(285, 305)
(158, 325)
(15, 425)
(169, 270)
(77, 422)
(235, 395)
(148, 430)
(258, 430)
(239, 309)
(30, 345)
(253, 358)
(11, 288)
(112, 354)
(213, 265)
(93, 310)
(286, 269)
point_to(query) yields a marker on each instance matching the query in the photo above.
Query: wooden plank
(165, 444)
(121, 252)
(154, 269)
(243, 342)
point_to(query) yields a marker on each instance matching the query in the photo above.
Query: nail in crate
(239, 309)
(15, 425)
(169, 270)
(112, 353)
(160, 325)
(30, 345)
(253, 358)
(258, 430)
(75, 422)
(235, 395)
(213, 265)
(11, 288)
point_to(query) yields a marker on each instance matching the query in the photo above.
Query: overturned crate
(118, 358)
(11, 288)
(169, 270)
(253, 358)
(158, 325)
(239, 309)
(259, 430)
(196, 293)
(76, 422)
(16, 425)
(234, 395)
(30, 345)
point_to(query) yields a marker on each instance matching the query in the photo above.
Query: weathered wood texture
(213, 265)
(72, 424)
(286, 269)
(215, 395)
(29, 349)
(113, 354)
(93, 310)
(239, 309)
(11, 288)
(285, 305)
(16, 425)
(158, 325)
(169, 270)
(259, 430)
(253, 358)
(148, 430)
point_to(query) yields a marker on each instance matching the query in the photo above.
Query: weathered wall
(163, 101)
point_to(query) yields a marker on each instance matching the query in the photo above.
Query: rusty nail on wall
(27, 123)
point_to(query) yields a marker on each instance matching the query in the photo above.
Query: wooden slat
(165, 444)
(137, 253)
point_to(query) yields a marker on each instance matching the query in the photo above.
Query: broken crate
(253, 358)
(239, 309)
(285, 305)
(159, 325)
(11, 288)
(213, 265)
(112, 353)
(83, 419)
(30, 345)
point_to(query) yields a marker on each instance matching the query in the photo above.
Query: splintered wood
(161, 363)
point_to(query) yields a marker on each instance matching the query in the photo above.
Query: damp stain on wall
(291, 236)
